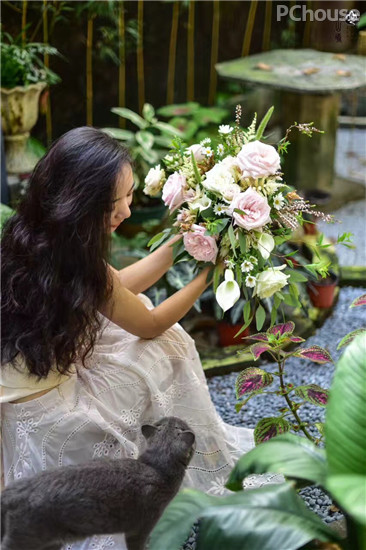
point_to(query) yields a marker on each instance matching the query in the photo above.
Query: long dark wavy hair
(55, 250)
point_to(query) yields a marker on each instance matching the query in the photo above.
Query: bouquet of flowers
(232, 207)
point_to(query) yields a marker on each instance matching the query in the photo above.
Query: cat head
(172, 436)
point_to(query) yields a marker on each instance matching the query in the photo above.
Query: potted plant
(23, 77)
(321, 291)
(230, 323)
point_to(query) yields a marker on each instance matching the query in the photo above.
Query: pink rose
(173, 191)
(202, 247)
(198, 152)
(257, 160)
(256, 209)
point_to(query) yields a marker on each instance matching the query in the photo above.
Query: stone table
(310, 83)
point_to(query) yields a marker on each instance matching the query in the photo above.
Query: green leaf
(288, 454)
(119, 133)
(246, 312)
(350, 492)
(195, 168)
(5, 213)
(260, 317)
(216, 278)
(242, 242)
(296, 276)
(232, 239)
(345, 426)
(145, 139)
(264, 123)
(130, 115)
(148, 112)
(350, 337)
(320, 427)
(238, 274)
(168, 129)
(237, 521)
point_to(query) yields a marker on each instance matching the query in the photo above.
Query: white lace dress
(98, 413)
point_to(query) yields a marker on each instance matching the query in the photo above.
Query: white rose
(229, 191)
(270, 281)
(217, 178)
(265, 245)
(257, 160)
(154, 181)
(232, 164)
(198, 152)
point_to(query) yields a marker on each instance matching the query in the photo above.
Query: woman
(86, 359)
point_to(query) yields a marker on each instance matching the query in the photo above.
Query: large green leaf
(350, 492)
(271, 517)
(145, 139)
(287, 454)
(119, 133)
(130, 115)
(345, 425)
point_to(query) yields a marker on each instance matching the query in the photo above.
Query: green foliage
(22, 65)
(5, 213)
(259, 519)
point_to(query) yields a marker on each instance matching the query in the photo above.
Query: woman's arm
(130, 313)
(144, 273)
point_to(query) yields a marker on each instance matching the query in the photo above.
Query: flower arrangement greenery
(231, 205)
(22, 64)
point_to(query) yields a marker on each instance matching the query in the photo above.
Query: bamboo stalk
(172, 54)
(122, 62)
(89, 72)
(214, 51)
(24, 21)
(249, 28)
(140, 55)
(190, 52)
(307, 30)
(267, 27)
(47, 64)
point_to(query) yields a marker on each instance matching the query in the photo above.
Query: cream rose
(270, 281)
(256, 209)
(154, 181)
(202, 247)
(257, 160)
(217, 178)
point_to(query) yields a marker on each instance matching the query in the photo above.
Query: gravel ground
(342, 321)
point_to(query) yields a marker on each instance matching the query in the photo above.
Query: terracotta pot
(310, 228)
(227, 332)
(19, 113)
(321, 293)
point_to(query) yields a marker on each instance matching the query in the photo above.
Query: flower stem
(281, 366)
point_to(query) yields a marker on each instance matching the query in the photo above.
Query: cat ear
(188, 437)
(148, 430)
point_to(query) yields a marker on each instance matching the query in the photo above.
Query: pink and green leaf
(350, 336)
(260, 336)
(360, 301)
(270, 427)
(284, 328)
(315, 354)
(296, 339)
(313, 394)
(258, 349)
(250, 380)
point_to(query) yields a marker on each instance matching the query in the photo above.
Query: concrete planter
(19, 113)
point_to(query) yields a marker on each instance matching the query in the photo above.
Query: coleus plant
(255, 381)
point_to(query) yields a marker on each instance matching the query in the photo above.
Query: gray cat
(101, 497)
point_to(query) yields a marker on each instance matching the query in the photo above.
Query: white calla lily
(228, 292)
(265, 245)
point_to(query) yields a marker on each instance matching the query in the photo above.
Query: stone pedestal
(309, 163)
